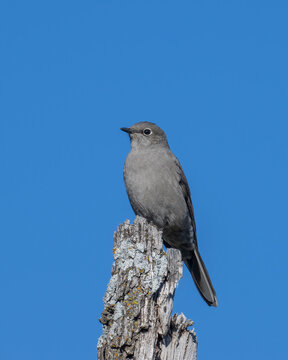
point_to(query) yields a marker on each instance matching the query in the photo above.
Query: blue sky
(213, 75)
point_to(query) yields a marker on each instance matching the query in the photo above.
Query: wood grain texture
(138, 303)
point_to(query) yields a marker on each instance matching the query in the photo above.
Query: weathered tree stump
(137, 322)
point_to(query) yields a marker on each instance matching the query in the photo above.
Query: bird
(158, 190)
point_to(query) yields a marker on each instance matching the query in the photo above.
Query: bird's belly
(156, 197)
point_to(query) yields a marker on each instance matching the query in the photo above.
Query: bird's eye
(147, 132)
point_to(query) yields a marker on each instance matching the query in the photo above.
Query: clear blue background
(213, 75)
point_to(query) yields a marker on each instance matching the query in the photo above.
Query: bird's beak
(127, 130)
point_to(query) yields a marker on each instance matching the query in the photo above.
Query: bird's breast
(153, 188)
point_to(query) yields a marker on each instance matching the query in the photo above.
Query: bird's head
(146, 134)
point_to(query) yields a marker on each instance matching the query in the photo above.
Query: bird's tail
(201, 278)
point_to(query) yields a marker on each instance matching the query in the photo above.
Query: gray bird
(158, 191)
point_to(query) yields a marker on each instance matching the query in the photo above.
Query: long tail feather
(201, 278)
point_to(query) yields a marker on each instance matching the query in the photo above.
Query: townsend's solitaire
(158, 191)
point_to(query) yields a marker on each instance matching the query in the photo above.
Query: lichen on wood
(138, 303)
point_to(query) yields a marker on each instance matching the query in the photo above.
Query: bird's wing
(186, 193)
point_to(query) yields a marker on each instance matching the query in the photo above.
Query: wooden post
(137, 322)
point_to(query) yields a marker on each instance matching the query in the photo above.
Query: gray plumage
(158, 191)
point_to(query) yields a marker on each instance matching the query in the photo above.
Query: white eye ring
(147, 132)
